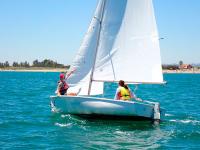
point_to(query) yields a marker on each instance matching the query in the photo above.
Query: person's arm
(69, 74)
(58, 89)
(117, 97)
(132, 95)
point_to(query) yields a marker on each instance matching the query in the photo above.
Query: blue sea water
(26, 121)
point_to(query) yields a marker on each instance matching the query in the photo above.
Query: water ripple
(26, 121)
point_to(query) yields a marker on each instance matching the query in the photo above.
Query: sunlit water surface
(26, 121)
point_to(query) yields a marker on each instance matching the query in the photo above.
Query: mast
(96, 50)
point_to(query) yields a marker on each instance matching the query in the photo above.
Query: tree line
(36, 63)
(170, 67)
(52, 64)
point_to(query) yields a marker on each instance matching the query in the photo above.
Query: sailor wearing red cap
(62, 84)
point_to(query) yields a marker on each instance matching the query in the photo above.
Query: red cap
(62, 76)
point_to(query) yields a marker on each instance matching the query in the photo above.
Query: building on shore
(185, 66)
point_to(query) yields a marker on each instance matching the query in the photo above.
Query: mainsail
(122, 43)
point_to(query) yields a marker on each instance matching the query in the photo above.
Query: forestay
(122, 43)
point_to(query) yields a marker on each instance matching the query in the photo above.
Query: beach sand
(34, 69)
(183, 71)
(38, 69)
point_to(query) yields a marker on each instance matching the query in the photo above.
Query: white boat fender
(156, 111)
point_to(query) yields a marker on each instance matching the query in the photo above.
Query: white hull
(78, 105)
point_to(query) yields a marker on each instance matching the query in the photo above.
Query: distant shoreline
(187, 71)
(33, 69)
(43, 69)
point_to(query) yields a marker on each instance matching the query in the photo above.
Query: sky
(54, 29)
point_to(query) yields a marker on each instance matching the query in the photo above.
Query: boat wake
(186, 121)
(63, 124)
(168, 115)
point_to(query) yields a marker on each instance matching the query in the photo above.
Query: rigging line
(99, 34)
(135, 89)
(112, 66)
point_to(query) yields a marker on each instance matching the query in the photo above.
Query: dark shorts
(63, 92)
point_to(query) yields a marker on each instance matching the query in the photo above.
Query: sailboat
(122, 43)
